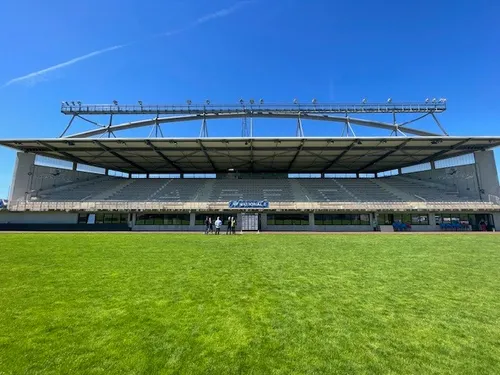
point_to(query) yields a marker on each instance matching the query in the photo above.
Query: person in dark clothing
(229, 222)
(207, 225)
(211, 225)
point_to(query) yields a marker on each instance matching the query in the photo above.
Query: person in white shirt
(218, 224)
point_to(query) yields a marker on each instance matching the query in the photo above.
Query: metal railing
(101, 109)
(92, 206)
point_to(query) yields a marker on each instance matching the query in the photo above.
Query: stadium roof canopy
(272, 155)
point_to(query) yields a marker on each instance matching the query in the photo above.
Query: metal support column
(299, 131)
(204, 128)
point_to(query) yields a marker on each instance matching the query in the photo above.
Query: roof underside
(271, 155)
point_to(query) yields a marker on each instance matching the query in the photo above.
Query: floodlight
(363, 101)
(261, 101)
(252, 101)
(427, 100)
(73, 103)
(434, 100)
(115, 102)
(295, 101)
(188, 102)
(140, 102)
(79, 103)
(66, 103)
(389, 100)
(314, 101)
(242, 101)
(207, 101)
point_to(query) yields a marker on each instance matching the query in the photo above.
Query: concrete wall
(21, 179)
(462, 179)
(45, 178)
(29, 177)
(38, 217)
(487, 172)
(470, 180)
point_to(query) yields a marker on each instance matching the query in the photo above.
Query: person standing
(233, 225)
(218, 224)
(211, 225)
(229, 222)
(207, 225)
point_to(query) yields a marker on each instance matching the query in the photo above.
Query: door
(250, 222)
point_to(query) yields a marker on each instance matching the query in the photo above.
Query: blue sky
(224, 50)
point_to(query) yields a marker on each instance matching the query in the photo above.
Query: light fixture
(230, 170)
(363, 101)
(295, 101)
(242, 101)
(389, 100)
(207, 101)
(140, 102)
(115, 102)
(252, 101)
(434, 100)
(261, 101)
(73, 103)
(314, 101)
(66, 103)
(79, 103)
(427, 100)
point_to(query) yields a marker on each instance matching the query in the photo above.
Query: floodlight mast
(250, 109)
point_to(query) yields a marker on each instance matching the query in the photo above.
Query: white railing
(93, 206)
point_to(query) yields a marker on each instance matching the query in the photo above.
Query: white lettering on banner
(248, 204)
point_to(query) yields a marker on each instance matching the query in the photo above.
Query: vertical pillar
(133, 219)
(400, 171)
(263, 221)
(433, 165)
(106, 172)
(74, 166)
(312, 224)
(192, 221)
(432, 221)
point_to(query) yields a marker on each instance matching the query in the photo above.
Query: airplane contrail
(218, 14)
(62, 65)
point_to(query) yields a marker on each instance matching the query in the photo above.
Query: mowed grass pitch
(259, 304)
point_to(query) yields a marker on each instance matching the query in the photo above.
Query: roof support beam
(122, 158)
(66, 155)
(342, 154)
(299, 149)
(388, 153)
(206, 154)
(164, 157)
(442, 152)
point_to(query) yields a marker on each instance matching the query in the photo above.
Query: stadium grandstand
(410, 179)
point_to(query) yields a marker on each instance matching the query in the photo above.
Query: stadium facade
(409, 180)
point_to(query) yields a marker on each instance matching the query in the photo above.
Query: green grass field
(252, 304)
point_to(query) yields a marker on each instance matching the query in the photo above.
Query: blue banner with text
(248, 204)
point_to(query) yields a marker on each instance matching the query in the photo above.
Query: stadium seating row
(391, 189)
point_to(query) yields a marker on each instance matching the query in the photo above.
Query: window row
(413, 218)
(103, 218)
(287, 219)
(342, 219)
(162, 219)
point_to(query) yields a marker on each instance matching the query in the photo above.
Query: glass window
(82, 218)
(288, 219)
(342, 219)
